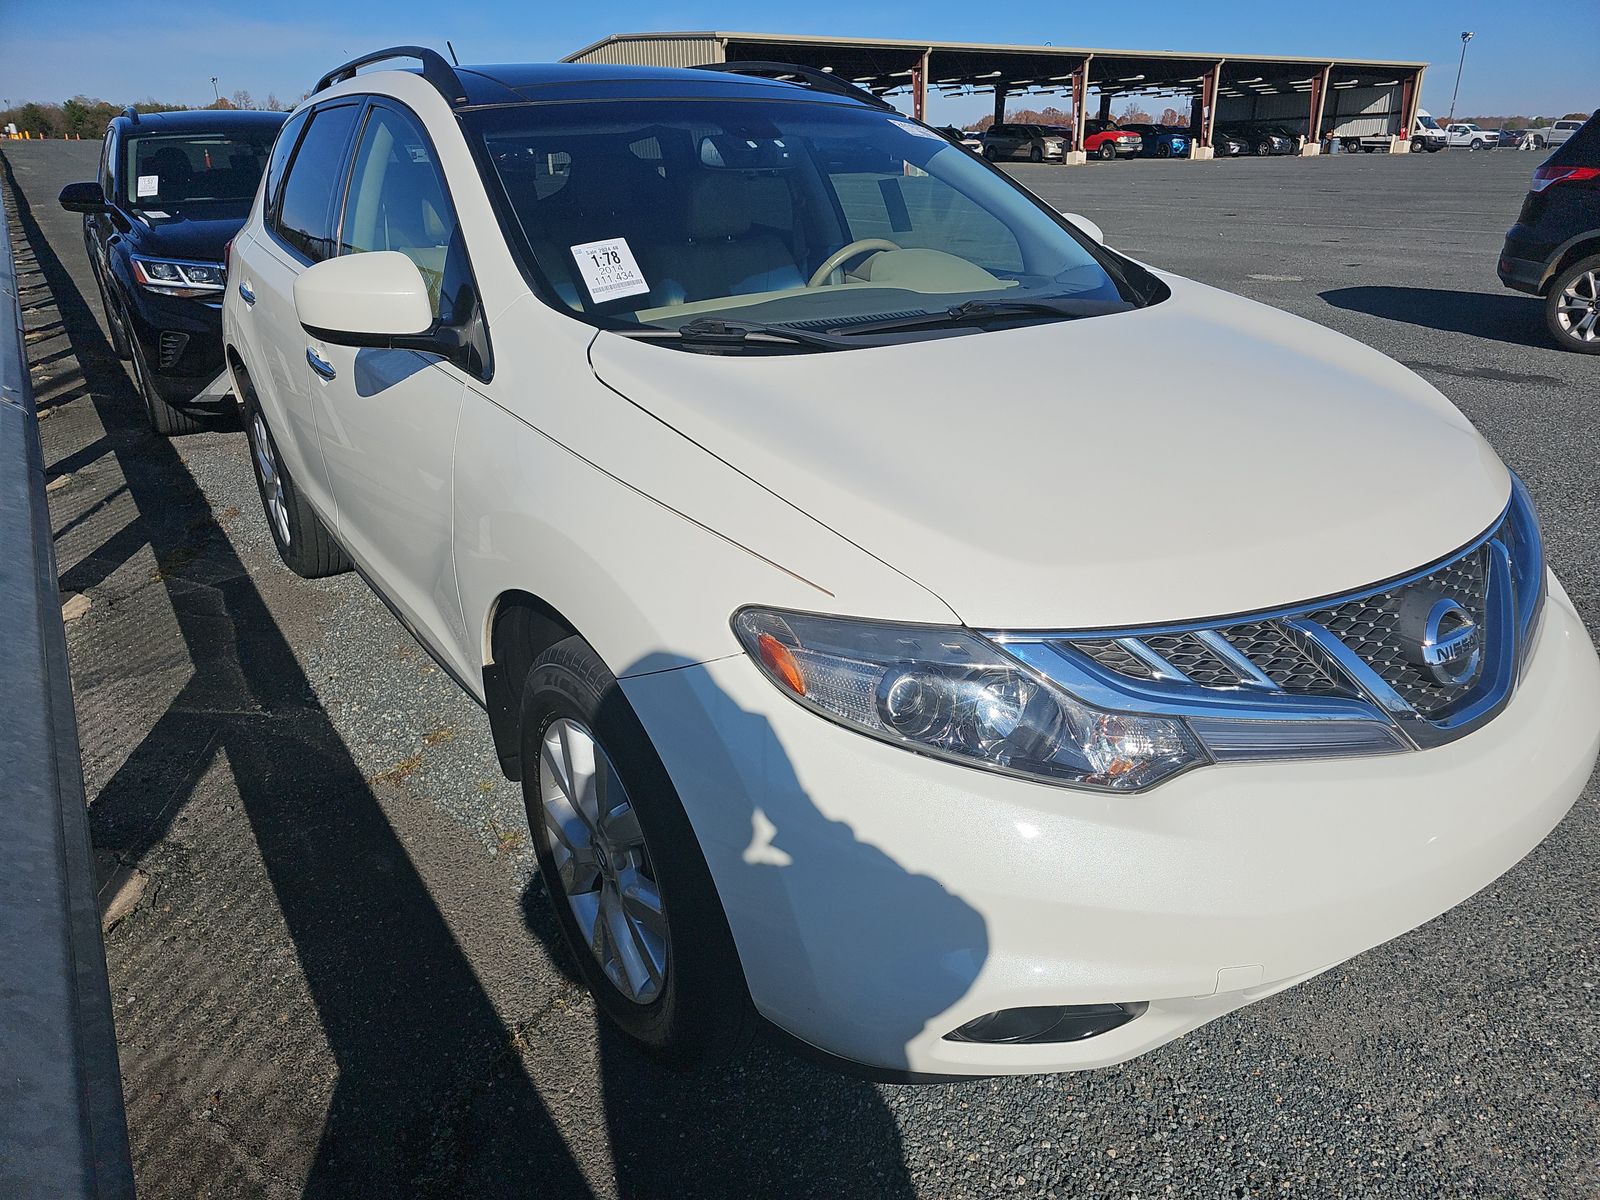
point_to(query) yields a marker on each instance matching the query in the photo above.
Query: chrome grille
(1370, 627)
(1384, 655)
(1282, 659)
(1409, 664)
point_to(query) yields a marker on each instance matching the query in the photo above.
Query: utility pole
(218, 94)
(1465, 38)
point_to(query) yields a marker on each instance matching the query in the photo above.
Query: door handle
(319, 364)
(246, 292)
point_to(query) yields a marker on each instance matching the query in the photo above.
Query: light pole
(218, 94)
(1465, 38)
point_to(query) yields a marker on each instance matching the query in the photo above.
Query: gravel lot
(339, 977)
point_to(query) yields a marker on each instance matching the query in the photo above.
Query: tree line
(84, 117)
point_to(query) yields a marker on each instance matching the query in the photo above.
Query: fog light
(1046, 1023)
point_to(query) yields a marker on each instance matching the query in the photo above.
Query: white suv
(954, 721)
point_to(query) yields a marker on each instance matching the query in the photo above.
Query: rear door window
(288, 136)
(314, 188)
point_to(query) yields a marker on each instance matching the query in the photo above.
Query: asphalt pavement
(335, 973)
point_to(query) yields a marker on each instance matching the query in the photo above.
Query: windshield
(166, 170)
(1427, 122)
(810, 215)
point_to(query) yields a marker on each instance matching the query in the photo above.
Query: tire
(988, 153)
(118, 331)
(1263, 149)
(1164, 150)
(302, 540)
(1416, 147)
(1476, 144)
(1107, 151)
(699, 1011)
(1574, 320)
(164, 418)
(1035, 154)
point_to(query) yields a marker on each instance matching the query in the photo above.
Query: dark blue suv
(173, 190)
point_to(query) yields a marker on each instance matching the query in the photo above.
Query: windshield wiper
(976, 312)
(714, 331)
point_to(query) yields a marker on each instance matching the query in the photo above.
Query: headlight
(170, 277)
(952, 694)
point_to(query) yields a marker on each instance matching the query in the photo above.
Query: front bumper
(181, 340)
(880, 899)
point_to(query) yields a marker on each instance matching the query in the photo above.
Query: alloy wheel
(271, 478)
(594, 836)
(1578, 310)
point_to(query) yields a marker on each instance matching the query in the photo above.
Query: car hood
(197, 233)
(1204, 456)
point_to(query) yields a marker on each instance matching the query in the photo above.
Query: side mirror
(1086, 226)
(83, 198)
(375, 299)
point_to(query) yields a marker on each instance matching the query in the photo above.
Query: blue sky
(1523, 60)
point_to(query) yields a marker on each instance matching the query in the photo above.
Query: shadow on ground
(1500, 317)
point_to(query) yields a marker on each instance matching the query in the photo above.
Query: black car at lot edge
(172, 191)
(1554, 248)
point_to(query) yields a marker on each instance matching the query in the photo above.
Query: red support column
(919, 87)
(1319, 99)
(1408, 100)
(1080, 102)
(1209, 87)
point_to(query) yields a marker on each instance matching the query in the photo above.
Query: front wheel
(1475, 145)
(1416, 147)
(988, 153)
(1263, 149)
(1035, 155)
(302, 540)
(1572, 310)
(164, 418)
(630, 887)
(1107, 151)
(120, 341)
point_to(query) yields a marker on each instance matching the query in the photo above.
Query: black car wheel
(1163, 149)
(119, 332)
(988, 153)
(1263, 149)
(302, 540)
(620, 860)
(164, 418)
(1107, 151)
(1572, 309)
(1035, 154)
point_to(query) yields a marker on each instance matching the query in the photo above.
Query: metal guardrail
(63, 1132)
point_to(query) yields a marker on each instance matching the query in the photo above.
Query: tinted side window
(398, 202)
(281, 149)
(309, 205)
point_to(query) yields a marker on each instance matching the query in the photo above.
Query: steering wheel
(844, 254)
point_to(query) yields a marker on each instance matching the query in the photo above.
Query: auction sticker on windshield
(609, 270)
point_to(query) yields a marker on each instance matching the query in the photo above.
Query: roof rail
(434, 69)
(131, 113)
(822, 81)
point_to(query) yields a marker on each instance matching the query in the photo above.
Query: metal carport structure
(1356, 97)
